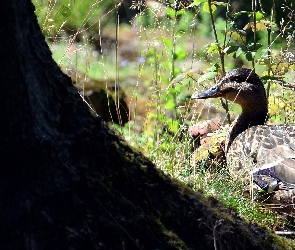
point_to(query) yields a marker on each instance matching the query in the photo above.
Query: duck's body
(251, 145)
(265, 150)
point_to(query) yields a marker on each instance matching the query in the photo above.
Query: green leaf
(172, 124)
(264, 61)
(170, 12)
(220, 3)
(254, 47)
(191, 72)
(250, 55)
(268, 78)
(238, 52)
(262, 25)
(170, 105)
(178, 78)
(212, 48)
(195, 3)
(180, 53)
(231, 50)
(235, 51)
(258, 15)
(64, 11)
(214, 8)
(239, 37)
(180, 12)
(167, 42)
(206, 7)
(207, 76)
(237, 14)
(214, 68)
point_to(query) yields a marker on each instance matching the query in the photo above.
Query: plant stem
(254, 29)
(221, 56)
(220, 50)
(268, 48)
(172, 75)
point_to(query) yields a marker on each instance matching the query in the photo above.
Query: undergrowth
(167, 51)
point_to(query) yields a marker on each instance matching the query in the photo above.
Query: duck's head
(241, 85)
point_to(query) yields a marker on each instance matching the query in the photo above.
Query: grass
(162, 47)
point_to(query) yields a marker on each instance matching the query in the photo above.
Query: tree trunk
(68, 182)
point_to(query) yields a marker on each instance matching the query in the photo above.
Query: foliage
(177, 50)
(74, 17)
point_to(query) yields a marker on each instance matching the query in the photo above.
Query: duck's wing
(281, 159)
(277, 151)
(266, 150)
(285, 171)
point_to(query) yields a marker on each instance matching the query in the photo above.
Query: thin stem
(226, 22)
(268, 47)
(117, 100)
(221, 56)
(254, 28)
(155, 140)
(220, 51)
(172, 75)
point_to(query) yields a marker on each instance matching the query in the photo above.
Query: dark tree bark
(68, 182)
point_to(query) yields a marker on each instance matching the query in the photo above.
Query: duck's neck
(246, 120)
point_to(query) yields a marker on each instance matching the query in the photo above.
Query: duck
(266, 153)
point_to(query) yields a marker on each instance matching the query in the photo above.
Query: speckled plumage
(251, 145)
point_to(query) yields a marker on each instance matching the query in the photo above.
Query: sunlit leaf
(239, 37)
(275, 105)
(248, 26)
(180, 53)
(237, 14)
(167, 42)
(264, 61)
(191, 72)
(210, 144)
(207, 9)
(234, 51)
(64, 11)
(212, 48)
(281, 68)
(180, 12)
(195, 3)
(215, 67)
(173, 124)
(188, 74)
(170, 105)
(231, 50)
(258, 15)
(238, 52)
(170, 12)
(207, 76)
(220, 4)
(260, 25)
(178, 78)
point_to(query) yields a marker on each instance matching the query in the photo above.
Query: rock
(109, 108)
(106, 98)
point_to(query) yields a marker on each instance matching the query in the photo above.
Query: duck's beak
(213, 92)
